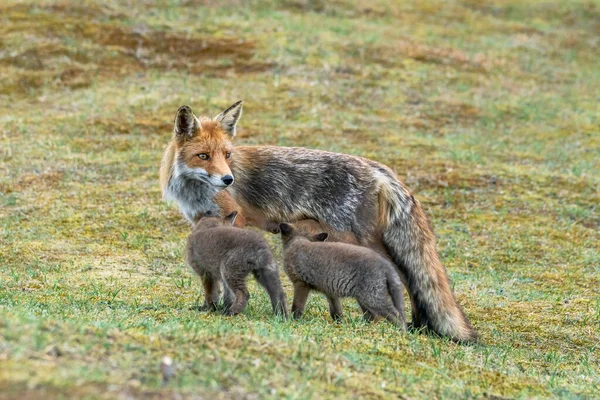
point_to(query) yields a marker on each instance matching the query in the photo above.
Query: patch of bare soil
(73, 47)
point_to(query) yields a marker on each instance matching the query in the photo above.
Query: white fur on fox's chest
(193, 197)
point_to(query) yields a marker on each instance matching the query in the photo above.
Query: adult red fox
(344, 193)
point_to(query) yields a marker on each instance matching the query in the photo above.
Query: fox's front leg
(301, 291)
(335, 308)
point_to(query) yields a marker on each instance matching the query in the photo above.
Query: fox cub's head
(204, 145)
(210, 220)
(306, 231)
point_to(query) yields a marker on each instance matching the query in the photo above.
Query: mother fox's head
(201, 148)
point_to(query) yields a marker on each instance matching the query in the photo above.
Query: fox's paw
(230, 313)
(201, 308)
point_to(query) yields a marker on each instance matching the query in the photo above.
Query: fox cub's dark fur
(341, 270)
(219, 252)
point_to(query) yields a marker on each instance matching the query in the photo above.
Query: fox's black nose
(227, 179)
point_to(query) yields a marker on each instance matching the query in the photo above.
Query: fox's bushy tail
(410, 242)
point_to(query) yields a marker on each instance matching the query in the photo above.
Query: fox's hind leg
(367, 316)
(269, 279)
(234, 277)
(211, 294)
(228, 296)
(385, 309)
(392, 315)
(335, 308)
(240, 291)
(241, 300)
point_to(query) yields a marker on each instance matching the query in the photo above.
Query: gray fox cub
(219, 252)
(341, 270)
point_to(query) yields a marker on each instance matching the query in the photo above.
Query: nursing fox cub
(341, 270)
(221, 253)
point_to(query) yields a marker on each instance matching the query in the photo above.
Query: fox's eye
(203, 156)
(227, 155)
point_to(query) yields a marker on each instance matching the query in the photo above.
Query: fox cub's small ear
(272, 227)
(321, 237)
(229, 118)
(230, 219)
(285, 229)
(186, 123)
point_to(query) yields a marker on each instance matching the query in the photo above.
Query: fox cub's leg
(211, 294)
(383, 307)
(367, 316)
(301, 291)
(269, 279)
(395, 317)
(237, 283)
(228, 296)
(335, 308)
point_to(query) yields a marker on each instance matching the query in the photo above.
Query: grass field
(489, 111)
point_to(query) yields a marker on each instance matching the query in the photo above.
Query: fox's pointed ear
(285, 229)
(230, 219)
(186, 123)
(229, 118)
(321, 237)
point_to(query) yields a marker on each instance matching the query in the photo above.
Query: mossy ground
(489, 111)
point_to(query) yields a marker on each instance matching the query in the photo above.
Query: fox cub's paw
(201, 308)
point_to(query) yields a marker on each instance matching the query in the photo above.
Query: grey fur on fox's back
(219, 252)
(341, 270)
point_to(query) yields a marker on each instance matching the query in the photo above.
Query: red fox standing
(344, 193)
